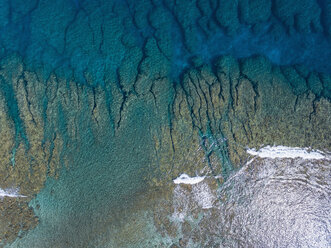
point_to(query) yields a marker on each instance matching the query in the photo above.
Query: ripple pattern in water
(279, 203)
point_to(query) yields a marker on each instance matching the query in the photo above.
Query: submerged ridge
(113, 33)
(133, 123)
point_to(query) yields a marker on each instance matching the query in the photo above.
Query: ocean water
(76, 37)
(104, 103)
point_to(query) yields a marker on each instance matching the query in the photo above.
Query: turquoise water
(101, 178)
(120, 48)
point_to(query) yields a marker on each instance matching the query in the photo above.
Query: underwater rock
(201, 126)
(104, 104)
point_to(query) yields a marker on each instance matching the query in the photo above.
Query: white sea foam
(203, 196)
(10, 193)
(287, 152)
(186, 179)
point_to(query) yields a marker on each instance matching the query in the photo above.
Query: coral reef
(203, 124)
(104, 103)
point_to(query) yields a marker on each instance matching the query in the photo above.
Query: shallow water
(278, 203)
(105, 104)
(269, 202)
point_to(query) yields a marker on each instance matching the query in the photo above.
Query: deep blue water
(98, 37)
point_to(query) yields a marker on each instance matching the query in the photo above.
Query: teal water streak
(13, 111)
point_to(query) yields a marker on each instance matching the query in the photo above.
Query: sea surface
(164, 123)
